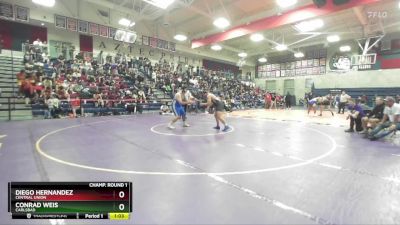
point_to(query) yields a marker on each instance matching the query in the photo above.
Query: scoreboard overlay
(70, 200)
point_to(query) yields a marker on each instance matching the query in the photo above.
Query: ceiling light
(333, 38)
(180, 37)
(281, 47)
(299, 55)
(242, 55)
(221, 22)
(160, 3)
(262, 60)
(125, 22)
(345, 48)
(216, 47)
(256, 37)
(309, 25)
(47, 3)
(286, 3)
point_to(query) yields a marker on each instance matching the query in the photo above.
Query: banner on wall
(153, 42)
(72, 24)
(112, 47)
(83, 26)
(158, 43)
(6, 11)
(93, 29)
(314, 63)
(111, 32)
(172, 46)
(145, 40)
(60, 21)
(22, 13)
(103, 31)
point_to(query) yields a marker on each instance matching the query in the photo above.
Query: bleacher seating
(89, 107)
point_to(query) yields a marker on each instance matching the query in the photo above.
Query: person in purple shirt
(356, 113)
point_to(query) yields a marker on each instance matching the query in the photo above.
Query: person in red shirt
(76, 104)
(268, 100)
(20, 79)
(27, 89)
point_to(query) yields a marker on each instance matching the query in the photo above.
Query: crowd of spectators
(122, 79)
(238, 94)
(117, 80)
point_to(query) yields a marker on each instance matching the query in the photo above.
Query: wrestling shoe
(363, 132)
(373, 138)
(227, 128)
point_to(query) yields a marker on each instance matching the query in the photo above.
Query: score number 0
(121, 206)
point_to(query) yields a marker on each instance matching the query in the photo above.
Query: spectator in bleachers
(28, 91)
(355, 114)
(141, 97)
(47, 83)
(52, 107)
(364, 99)
(267, 100)
(344, 98)
(273, 101)
(372, 118)
(98, 98)
(38, 42)
(390, 122)
(21, 76)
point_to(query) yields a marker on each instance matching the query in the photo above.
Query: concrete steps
(16, 115)
(6, 88)
(9, 67)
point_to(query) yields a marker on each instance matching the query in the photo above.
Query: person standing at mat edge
(219, 108)
(178, 108)
(344, 98)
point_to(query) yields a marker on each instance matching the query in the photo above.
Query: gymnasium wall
(386, 73)
(109, 46)
(14, 37)
(351, 79)
(14, 34)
